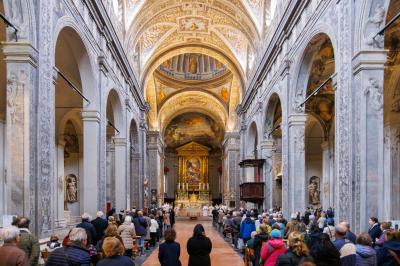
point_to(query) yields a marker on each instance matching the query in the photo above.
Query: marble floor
(222, 253)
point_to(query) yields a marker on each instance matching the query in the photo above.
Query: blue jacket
(246, 228)
(90, 230)
(384, 257)
(71, 255)
(116, 261)
(140, 225)
(168, 254)
(365, 256)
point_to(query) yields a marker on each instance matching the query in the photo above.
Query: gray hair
(100, 214)
(86, 216)
(78, 234)
(128, 219)
(9, 234)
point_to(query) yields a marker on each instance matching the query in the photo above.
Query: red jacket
(11, 255)
(271, 251)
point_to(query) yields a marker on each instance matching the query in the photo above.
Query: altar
(193, 188)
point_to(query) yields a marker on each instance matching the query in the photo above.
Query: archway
(316, 85)
(3, 115)
(391, 116)
(72, 60)
(252, 174)
(116, 189)
(273, 132)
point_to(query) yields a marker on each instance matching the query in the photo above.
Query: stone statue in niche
(314, 190)
(71, 187)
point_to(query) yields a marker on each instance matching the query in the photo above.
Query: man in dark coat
(374, 230)
(100, 225)
(349, 234)
(73, 254)
(140, 228)
(90, 230)
(236, 221)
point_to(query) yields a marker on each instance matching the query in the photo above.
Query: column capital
(297, 120)
(267, 145)
(90, 115)
(369, 60)
(119, 141)
(20, 52)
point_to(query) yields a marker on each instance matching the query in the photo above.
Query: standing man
(374, 230)
(100, 224)
(140, 227)
(28, 243)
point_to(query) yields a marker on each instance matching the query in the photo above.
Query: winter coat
(172, 218)
(140, 225)
(148, 220)
(381, 239)
(236, 221)
(70, 255)
(258, 241)
(90, 231)
(199, 249)
(221, 217)
(271, 251)
(127, 232)
(324, 254)
(10, 254)
(246, 228)
(383, 255)
(375, 232)
(100, 226)
(290, 259)
(30, 244)
(116, 261)
(168, 254)
(351, 236)
(347, 252)
(365, 256)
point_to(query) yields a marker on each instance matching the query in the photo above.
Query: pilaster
(121, 188)
(231, 159)
(267, 150)
(296, 178)
(21, 65)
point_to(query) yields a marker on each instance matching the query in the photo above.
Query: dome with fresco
(193, 66)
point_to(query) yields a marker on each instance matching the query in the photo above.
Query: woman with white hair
(10, 254)
(127, 232)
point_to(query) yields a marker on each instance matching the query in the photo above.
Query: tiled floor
(222, 254)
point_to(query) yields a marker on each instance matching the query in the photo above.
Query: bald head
(345, 224)
(340, 230)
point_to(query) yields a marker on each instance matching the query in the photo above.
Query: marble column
(370, 188)
(134, 175)
(21, 64)
(155, 156)
(267, 150)
(297, 179)
(231, 161)
(90, 182)
(59, 185)
(143, 159)
(121, 189)
(325, 182)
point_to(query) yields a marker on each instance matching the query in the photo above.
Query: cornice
(101, 18)
(288, 21)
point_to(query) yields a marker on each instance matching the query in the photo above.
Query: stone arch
(116, 114)
(81, 53)
(303, 67)
(253, 139)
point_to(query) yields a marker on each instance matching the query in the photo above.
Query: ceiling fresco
(193, 127)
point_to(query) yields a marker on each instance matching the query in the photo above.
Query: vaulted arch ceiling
(224, 25)
(175, 45)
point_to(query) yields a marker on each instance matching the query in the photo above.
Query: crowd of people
(112, 239)
(309, 238)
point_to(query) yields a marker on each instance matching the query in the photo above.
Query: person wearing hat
(273, 248)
